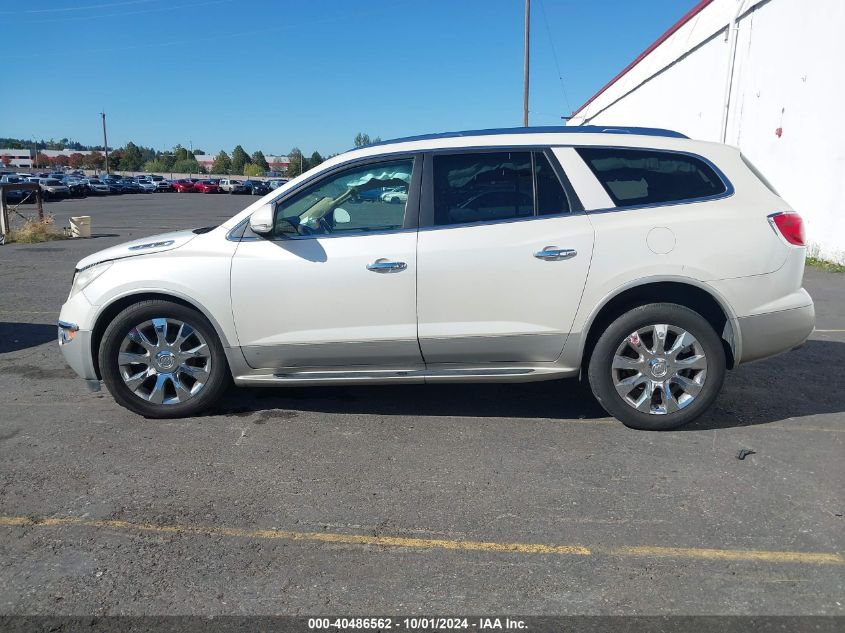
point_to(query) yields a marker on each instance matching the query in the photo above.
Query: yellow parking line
(821, 558)
(29, 311)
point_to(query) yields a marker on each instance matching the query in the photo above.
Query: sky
(274, 74)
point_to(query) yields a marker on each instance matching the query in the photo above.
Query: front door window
(358, 200)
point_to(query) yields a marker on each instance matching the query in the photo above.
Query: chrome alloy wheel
(164, 361)
(659, 369)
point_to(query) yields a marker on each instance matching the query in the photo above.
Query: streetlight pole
(105, 141)
(525, 67)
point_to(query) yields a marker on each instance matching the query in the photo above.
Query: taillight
(790, 225)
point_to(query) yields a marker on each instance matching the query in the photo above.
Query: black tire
(218, 377)
(601, 374)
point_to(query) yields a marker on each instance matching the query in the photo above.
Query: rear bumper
(772, 333)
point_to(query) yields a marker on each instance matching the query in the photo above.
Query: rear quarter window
(633, 177)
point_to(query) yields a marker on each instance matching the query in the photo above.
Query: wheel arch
(110, 310)
(682, 291)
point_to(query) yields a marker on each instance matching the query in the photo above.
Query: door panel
(314, 303)
(483, 295)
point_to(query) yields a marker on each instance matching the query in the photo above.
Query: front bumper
(772, 333)
(75, 345)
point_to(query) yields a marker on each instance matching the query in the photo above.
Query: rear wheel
(657, 367)
(163, 360)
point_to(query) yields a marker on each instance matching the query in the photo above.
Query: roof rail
(549, 129)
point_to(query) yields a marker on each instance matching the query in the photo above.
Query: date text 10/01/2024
(482, 624)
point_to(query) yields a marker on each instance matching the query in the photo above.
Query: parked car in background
(183, 186)
(114, 184)
(275, 183)
(16, 196)
(13, 179)
(77, 187)
(647, 262)
(97, 187)
(53, 188)
(256, 187)
(164, 185)
(147, 186)
(207, 186)
(130, 186)
(395, 195)
(230, 185)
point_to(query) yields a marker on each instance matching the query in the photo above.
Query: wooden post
(39, 196)
(4, 214)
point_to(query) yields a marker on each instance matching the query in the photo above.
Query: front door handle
(552, 253)
(384, 266)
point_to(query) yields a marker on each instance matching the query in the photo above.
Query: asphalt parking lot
(406, 499)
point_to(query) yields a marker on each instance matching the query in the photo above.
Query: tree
(115, 157)
(198, 152)
(259, 159)
(222, 163)
(181, 153)
(94, 160)
(239, 159)
(188, 166)
(167, 159)
(362, 138)
(131, 160)
(252, 170)
(41, 160)
(315, 160)
(60, 161)
(297, 162)
(154, 166)
(76, 160)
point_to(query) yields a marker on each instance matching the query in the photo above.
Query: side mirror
(261, 221)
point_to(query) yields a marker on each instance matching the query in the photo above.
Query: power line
(121, 14)
(554, 54)
(82, 8)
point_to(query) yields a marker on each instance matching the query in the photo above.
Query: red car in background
(183, 186)
(207, 186)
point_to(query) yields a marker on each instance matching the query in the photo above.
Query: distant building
(53, 153)
(16, 157)
(278, 163)
(205, 160)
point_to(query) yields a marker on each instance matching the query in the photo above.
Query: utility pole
(105, 141)
(525, 63)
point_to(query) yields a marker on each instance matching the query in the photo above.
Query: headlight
(84, 277)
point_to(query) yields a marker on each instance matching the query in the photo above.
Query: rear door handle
(552, 253)
(383, 266)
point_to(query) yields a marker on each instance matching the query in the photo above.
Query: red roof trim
(689, 15)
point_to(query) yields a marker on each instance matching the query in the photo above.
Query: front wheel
(657, 367)
(163, 360)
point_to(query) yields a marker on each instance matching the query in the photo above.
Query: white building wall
(786, 99)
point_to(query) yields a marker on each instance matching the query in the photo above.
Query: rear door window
(633, 177)
(494, 186)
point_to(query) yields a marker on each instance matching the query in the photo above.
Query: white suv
(644, 260)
